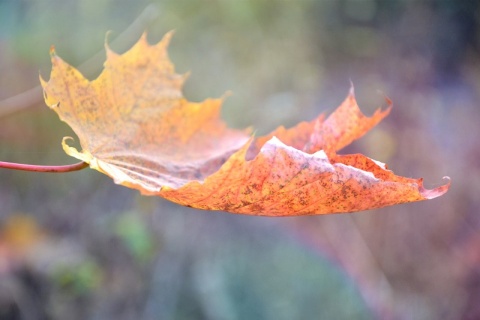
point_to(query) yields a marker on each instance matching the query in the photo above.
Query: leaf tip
(351, 91)
(227, 94)
(85, 156)
(55, 59)
(436, 192)
(109, 52)
(144, 37)
(169, 35)
(167, 38)
(389, 102)
(52, 51)
(107, 35)
(43, 83)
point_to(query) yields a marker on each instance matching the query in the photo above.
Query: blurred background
(76, 246)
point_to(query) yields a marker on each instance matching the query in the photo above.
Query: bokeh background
(76, 246)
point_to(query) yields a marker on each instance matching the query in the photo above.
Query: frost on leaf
(135, 126)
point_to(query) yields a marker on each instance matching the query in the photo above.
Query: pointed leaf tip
(168, 36)
(105, 44)
(52, 51)
(144, 36)
(436, 192)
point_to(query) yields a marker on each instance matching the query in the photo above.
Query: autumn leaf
(135, 126)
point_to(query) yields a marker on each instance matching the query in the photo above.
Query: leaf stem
(40, 168)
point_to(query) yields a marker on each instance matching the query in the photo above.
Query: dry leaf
(135, 126)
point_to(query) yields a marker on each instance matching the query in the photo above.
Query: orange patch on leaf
(135, 126)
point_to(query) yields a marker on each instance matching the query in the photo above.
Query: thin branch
(21, 101)
(34, 97)
(40, 168)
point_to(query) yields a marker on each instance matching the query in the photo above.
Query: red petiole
(40, 168)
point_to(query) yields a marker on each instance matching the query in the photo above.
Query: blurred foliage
(272, 287)
(80, 280)
(133, 231)
(105, 252)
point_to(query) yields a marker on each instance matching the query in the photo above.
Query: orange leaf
(135, 126)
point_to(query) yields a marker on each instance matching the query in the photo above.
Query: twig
(21, 101)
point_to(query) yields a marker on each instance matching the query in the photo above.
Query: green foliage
(135, 235)
(80, 279)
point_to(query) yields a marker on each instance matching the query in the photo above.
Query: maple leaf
(135, 126)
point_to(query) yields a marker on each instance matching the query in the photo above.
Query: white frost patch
(358, 172)
(380, 164)
(319, 158)
(321, 154)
